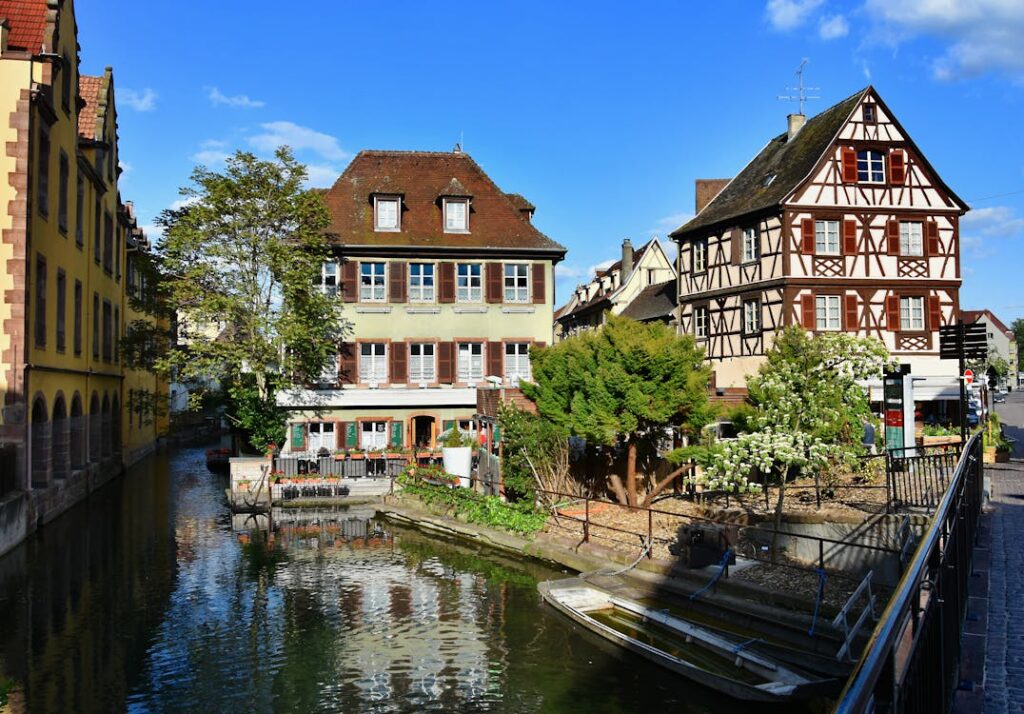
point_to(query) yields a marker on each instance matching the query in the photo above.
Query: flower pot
(989, 455)
(458, 462)
(1002, 457)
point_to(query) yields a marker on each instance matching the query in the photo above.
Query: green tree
(240, 262)
(1017, 326)
(627, 381)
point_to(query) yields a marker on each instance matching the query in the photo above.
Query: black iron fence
(919, 476)
(911, 661)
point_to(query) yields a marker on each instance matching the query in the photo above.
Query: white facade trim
(376, 398)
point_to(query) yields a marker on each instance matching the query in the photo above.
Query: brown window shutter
(934, 312)
(339, 434)
(737, 249)
(807, 316)
(932, 241)
(849, 165)
(399, 362)
(897, 167)
(850, 237)
(539, 286)
(396, 281)
(851, 313)
(446, 282)
(350, 281)
(892, 237)
(445, 362)
(807, 236)
(347, 357)
(495, 359)
(892, 313)
(494, 282)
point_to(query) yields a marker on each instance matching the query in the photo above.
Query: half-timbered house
(838, 224)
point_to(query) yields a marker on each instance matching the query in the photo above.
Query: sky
(602, 114)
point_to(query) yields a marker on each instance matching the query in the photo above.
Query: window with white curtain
(517, 285)
(373, 362)
(826, 237)
(387, 214)
(912, 313)
(329, 278)
(700, 322)
(826, 312)
(471, 362)
(517, 362)
(911, 242)
(421, 363)
(371, 282)
(751, 317)
(421, 282)
(456, 215)
(468, 282)
(321, 436)
(373, 435)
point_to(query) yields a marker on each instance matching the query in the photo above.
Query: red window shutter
(934, 312)
(850, 237)
(807, 236)
(340, 428)
(892, 237)
(737, 249)
(851, 313)
(445, 362)
(892, 313)
(932, 242)
(495, 359)
(897, 167)
(849, 165)
(446, 282)
(347, 356)
(494, 278)
(399, 362)
(350, 281)
(807, 317)
(396, 282)
(539, 286)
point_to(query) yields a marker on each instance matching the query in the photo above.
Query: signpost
(963, 342)
(968, 376)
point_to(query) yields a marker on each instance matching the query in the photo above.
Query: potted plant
(996, 446)
(457, 454)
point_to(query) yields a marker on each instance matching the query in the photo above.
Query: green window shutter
(447, 425)
(396, 434)
(497, 433)
(351, 435)
(298, 436)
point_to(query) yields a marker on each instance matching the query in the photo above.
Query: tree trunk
(620, 492)
(778, 515)
(663, 484)
(631, 474)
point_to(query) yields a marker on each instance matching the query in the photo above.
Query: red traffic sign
(968, 376)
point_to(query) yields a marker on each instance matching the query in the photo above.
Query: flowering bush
(415, 473)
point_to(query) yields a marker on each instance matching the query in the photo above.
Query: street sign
(975, 342)
(968, 376)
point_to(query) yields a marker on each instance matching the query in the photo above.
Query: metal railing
(911, 661)
(366, 466)
(918, 477)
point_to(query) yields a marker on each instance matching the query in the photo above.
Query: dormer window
(387, 213)
(869, 114)
(456, 215)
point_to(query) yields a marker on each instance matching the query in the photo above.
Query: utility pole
(963, 380)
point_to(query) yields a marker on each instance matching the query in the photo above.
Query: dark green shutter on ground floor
(298, 436)
(396, 434)
(447, 425)
(351, 435)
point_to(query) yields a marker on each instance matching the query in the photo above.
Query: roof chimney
(796, 123)
(627, 259)
(707, 189)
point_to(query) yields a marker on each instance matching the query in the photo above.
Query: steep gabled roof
(789, 162)
(655, 302)
(420, 177)
(972, 316)
(27, 22)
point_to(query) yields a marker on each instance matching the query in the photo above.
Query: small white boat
(681, 646)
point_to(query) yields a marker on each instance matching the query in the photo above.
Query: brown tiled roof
(520, 202)
(655, 302)
(27, 22)
(418, 176)
(89, 89)
(972, 316)
(638, 253)
(599, 301)
(706, 190)
(789, 162)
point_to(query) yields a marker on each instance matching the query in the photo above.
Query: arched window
(61, 436)
(95, 427)
(77, 428)
(40, 444)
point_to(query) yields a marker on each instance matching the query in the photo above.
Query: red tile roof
(27, 22)
(971, 316)
(89, 88)
(421, 178)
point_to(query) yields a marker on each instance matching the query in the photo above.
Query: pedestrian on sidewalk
(868, 442)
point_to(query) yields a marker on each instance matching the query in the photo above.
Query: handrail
(861, 685)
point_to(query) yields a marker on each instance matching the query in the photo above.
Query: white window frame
(516, 282)
(750, 245)
(419, 290)
(321, 434)
(700, 255)
(373, 363)
(373, 286)
(329, 374)
(517, 363)
(422, 366)
(330, 271)
(912, 313)
(751, 316)
(870, 164)
(912, 239)
(448, 224)
(378, 225)
(373, 435)
(470, 362)
(828, 313)
(467, 426)
(700, 322)
(826, 237)
(469, 292)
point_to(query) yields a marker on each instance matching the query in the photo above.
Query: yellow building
(64, 237)
(447, 284)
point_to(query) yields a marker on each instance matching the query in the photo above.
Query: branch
(663, 484)
(620, 491)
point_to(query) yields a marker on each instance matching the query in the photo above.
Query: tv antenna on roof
(801, 91)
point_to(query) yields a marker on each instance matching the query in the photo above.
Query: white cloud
(984, 230)
(152, 231)
(832, 28)
(285, 133)
(321, 175)
(866, 69)
(139, 100)
(566, 271)
(789, 14)
(210, 157)
(182, 202)
(982, 35)
(237, 100)
(667, 224)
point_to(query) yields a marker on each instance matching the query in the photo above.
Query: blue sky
(602, 114)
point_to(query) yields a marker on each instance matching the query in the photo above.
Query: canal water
(150, 597)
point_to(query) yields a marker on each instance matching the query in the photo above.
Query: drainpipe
(28, 279)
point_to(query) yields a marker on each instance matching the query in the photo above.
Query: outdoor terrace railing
(918, 477)
(367, 466)
(911, 660)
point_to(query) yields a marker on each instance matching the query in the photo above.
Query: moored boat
(686, 648)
